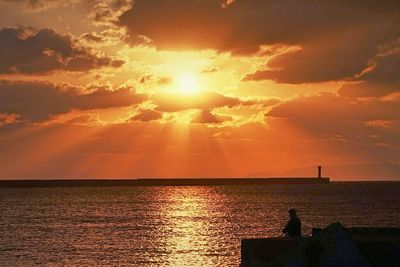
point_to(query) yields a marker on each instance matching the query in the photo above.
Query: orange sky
(200, 88)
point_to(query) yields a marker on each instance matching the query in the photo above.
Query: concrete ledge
(356, 246)
(254, 251)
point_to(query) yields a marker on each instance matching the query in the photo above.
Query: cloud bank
(37, 52)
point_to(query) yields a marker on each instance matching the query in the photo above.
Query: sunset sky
(199, 88)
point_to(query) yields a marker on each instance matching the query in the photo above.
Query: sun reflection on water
(170, 226)
(189, 229)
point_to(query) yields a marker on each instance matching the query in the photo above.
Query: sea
(174, 226)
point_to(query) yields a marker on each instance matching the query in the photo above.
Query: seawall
(162, 182)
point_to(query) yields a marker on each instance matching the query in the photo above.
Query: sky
(200, 88)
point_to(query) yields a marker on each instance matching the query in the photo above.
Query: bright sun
(188, 83)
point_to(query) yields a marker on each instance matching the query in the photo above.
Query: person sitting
(293, 226)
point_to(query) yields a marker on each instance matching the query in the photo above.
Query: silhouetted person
(293, 226)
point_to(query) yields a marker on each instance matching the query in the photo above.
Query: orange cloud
(147, 115)
(7, 118)
(205, 116)
(329, 116)
(205, 100)
(39, 101)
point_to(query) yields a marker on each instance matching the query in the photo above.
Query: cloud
(107, 37)
(205, 103)
(39, 5)
(330, 107)
(40, 101)
(380, 79)
(337, 57)
(385, 68)
(90, 119)
(369, 89)
(154, 79)
(206, 100)
(206, 116)
(202, 104)
(337, 37)
(30, 52)
(7, 119)
(147, 115)
(106, 12)
(209, 24)
(351, 120)
(320, 61)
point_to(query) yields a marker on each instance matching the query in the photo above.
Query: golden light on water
(186, 215)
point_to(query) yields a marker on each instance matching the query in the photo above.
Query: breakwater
(162, 182)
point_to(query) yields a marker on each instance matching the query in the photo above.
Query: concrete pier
(356, 246)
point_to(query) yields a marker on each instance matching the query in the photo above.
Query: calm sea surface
(173, 226)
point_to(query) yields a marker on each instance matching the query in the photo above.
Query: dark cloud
(202, 101)
(34, 4)
(147, 115)
(171, 23)
(39, 101)
(206, 116)
(154, 79)
(204, 24)
(45, 51)
(320, 61)
(337, 37)
(386, 69)
(382, 78)
(369, 89)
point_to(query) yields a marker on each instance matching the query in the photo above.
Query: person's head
(292, 213)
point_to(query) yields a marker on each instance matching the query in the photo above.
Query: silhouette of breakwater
(162, 182)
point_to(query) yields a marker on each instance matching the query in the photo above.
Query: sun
(188, 83)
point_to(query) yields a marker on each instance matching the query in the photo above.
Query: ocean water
(173, 226)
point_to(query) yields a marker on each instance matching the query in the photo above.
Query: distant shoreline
(162, 182)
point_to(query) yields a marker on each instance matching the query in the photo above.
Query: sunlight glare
(188, 83)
